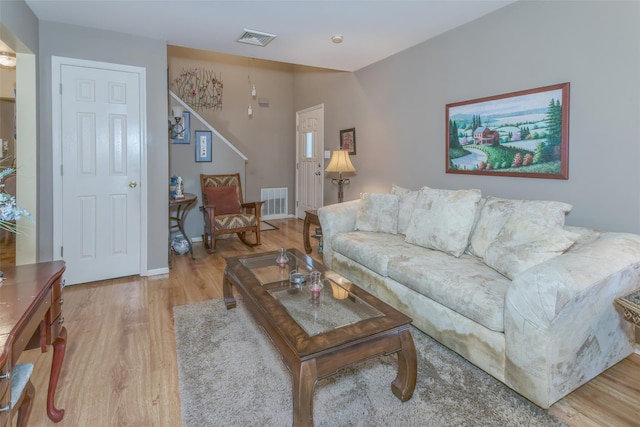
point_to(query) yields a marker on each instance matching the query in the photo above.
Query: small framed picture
(181, 132)
(203, 146)
(348, 140)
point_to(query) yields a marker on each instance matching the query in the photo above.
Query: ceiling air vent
(257, 38)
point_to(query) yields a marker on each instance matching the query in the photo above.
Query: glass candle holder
(315, 285)
(282, 259)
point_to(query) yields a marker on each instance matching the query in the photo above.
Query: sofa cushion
(373, 250)
(443, 219)
(496, 212)
(463, 284)
(378, 212)
(406, 202)
(523, 243)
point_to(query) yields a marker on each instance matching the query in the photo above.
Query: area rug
(231, 375)
(267, 226)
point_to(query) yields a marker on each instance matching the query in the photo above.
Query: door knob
(318, 173)
(133, 184)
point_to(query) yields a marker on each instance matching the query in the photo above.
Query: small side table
(182, 208)
(630, 303)
(311, 217)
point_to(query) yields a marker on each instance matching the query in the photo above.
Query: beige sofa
(502, 282)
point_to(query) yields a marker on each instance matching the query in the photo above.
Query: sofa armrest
(335, 219)
(562, 326)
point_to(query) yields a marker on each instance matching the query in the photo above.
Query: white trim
(26, 155)
(56, 100)
(204, 122)
(157, 271)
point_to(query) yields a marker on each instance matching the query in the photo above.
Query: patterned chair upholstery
(22, 393)
(225, 212)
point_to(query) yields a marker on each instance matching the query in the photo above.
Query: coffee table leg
(304, 381)
(405, 381)
(229, 300)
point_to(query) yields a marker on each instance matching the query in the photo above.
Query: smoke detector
(256, 38)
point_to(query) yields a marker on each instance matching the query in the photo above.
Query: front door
(309, 159)
(101, 137)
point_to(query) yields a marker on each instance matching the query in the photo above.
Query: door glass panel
(308, 145)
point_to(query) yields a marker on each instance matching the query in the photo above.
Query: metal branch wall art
(201, 89)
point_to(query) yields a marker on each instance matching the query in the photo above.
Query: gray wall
(18, 26)
(19, 30)
(398, 105)
(97, 45)
(336, 90)
(267, 139)
(224, 160)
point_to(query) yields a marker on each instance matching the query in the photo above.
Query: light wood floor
(120, 366)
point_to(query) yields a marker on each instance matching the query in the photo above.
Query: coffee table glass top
(265, 269)
(335, 307)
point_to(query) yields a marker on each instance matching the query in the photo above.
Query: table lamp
(340, 163)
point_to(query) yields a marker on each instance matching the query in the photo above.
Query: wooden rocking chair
(225, 212)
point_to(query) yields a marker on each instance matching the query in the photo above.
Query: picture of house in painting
(485, 136)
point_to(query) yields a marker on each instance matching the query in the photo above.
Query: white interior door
(101, 133)
(309, 159)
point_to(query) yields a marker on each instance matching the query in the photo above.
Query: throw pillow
(523, 243)
(493, 216)
(378, 212)
(225, 199)
(496, 212)
(406, 202)
(545, 212)
(443, 219)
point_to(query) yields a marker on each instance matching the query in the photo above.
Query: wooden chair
(225, 212)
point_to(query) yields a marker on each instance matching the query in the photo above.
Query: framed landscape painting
(522, 134)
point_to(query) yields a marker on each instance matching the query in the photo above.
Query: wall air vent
(257, 38)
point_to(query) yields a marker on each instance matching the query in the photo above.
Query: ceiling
(372, 30)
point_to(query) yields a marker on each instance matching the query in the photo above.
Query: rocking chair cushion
(225, 199)
(229, 222)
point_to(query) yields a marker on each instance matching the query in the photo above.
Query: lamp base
(340, 182)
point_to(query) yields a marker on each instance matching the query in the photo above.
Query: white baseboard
(267, 218)
(157, 271)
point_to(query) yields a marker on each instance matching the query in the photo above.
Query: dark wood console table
(177, 221)
(31, 317)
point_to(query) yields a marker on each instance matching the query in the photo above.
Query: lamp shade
(340, 162)
(177, 111)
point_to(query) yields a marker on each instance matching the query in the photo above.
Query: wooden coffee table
(315, 338)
